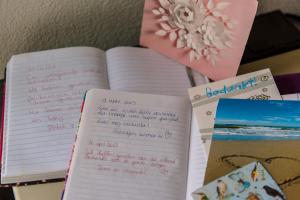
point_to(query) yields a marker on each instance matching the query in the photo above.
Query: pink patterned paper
(206, 35)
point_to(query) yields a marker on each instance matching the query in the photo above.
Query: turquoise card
(251, 182)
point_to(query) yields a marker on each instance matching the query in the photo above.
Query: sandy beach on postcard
(280, 158)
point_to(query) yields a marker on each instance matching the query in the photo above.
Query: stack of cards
(258, 85)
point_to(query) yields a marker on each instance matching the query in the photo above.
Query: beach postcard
(257, 120)
(268, 132)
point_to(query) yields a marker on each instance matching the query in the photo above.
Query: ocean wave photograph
(257, 120)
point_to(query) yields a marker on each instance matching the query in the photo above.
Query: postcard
(206, 35)
(247, 131)
(257, 85)
(251, 182)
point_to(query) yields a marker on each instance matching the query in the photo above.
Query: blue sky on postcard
(258, 112)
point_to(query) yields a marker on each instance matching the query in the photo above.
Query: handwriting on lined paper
(128, 119)
(46, 96)
(122, 119)
(130, 142)
(128, 139)
(127, 163)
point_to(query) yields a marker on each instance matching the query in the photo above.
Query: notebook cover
(284, 37)
(50, 191)
(2, 86)
(206, 35)
(251, 182)
(5, 193)
(265, 131)
(286, 63)
(288, 84)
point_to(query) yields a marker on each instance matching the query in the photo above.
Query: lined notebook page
(46, 91)
(199, 79)
(130, 147)
(197, 161)
(145, 71)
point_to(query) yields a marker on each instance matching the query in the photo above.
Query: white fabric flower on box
(196, 25)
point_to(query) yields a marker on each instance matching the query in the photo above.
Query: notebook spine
(2, 122)
(73, 148)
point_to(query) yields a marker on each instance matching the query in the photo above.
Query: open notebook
(44, 92)
(132, 146)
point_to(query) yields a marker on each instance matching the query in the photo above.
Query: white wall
(30, 25)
